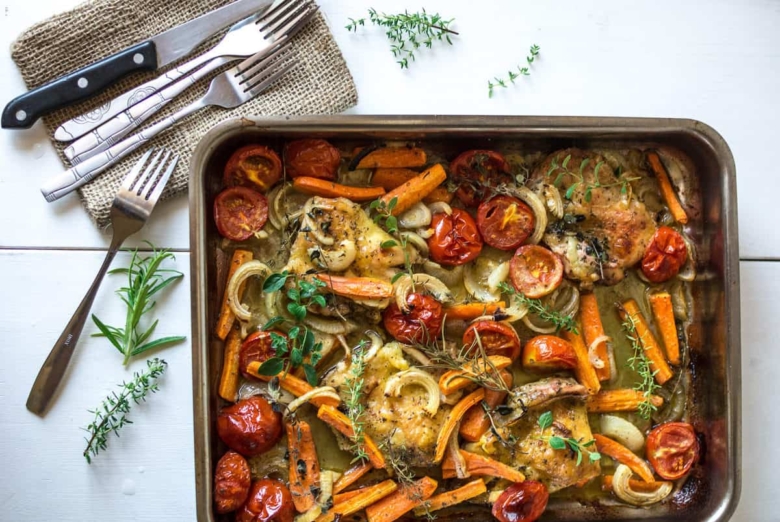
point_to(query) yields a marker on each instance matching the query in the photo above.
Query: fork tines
(287, 18)
(148, 183)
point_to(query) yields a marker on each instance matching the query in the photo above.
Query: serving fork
(132, 207)
(229, 90)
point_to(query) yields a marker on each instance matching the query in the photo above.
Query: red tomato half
(455, 239)
(422, 323)
(505, 222)
(253, 166)
(240, 212)
(256, 347)
(250, 426)
(548, 353)
(497, 338)
(672, 449)
(521, 502)
(476, 171)
(269, 501)
(314, 158)
(535, 271)
(664, 256)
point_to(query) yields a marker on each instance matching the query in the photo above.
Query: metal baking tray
(711, 495)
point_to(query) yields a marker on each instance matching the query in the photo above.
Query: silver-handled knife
(150, 55)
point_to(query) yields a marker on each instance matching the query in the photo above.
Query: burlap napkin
(320, 84)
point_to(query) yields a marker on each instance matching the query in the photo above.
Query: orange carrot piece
(636, 485)
(585, 372)
(480, 465)
(667, 191)
(663, 312)
(470, 311)
(343, 425)
(358, 287)
(367, 497)
(592, 330)
(351, 476)
(393, 158)
(304, 465)
(454, 380)
(622, 454)
(340, 498)
(403, 500)
(454, 497)
(415, 189)
(228, 383)
(329, 189)
(293, 385)
(648, 341)
(625, 399)
(475, 423)
(226, 317)
(389, 179)
(456, 414)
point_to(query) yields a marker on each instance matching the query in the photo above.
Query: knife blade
(149, 55)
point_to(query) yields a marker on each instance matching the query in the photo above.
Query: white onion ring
(403, 286)
(540, 212)
(416, 354)
(425, 233)
(595, 360)
(452, 399)
(473, 276)
(329, 326)
(461, 469)
(338, 259)
(417, 216)
(417, 242)
(552, 197)
(538, 329)
(395, 384)
(376, 344)
(244, 272)
(440, 206)
(322, 391)
(688, 271)
(498, 276)
(622, 488)
(278, 219)
(450, 277)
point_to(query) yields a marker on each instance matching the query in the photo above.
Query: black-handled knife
(150, 55)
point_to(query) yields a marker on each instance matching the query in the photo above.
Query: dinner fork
(274, 28)
(132, 207)
(228, 90)
(242, 40)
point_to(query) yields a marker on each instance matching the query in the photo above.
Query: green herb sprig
(533, 53)
(560, 443)
(354, 384)
(408, 32)
(537, 307)
(641, 365)
(563, 170)
(111, 416)
(145, 278)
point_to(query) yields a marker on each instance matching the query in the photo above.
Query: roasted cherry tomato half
(455, 239)
(314, 158)
(250, 426)
(535, 271)
(240, 212)
(672, 449)
(664, 256)
(521, 502)
(505, 222)
(496, 338)
(269, 501)
(231, 482)
(422, 322)
(256, 347)
(548, 353)
(476, 171)
(253, 166)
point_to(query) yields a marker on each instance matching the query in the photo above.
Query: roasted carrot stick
(636, 485)
(469, 311)
(609, 401)
(585, 372)
(340, 498)
(480, 465)
(475, 423)
(593, 329)
(622, 454)
(293, 385)
(389, 179)
(415, 189)
(351, 476)
(226, 317)
(454, 380)
(667, 191)
(304, 465)
(392, 157)
(342, 424)
(367, 497)
(663, 312)
(456, 414)
(329, 189)
(454, 497)
(400, 502)
(358, 287)
(648, 341)
(228, 383)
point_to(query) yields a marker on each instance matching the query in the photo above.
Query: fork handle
(53, 369)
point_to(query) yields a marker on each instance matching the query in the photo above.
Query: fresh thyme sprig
(533, 52)
(111, 416)
(641, 365)
(537, 307)
(560, 443)
(408, 32)
(563, 170)
(145, 278)
(355, 409)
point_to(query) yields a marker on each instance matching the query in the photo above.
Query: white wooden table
(716, 61)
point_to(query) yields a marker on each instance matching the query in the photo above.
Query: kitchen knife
(150, 55)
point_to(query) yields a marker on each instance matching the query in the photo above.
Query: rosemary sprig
(111, 416)
(563, 170)
(533, 52)
(145, 278)
(537, 307)
(641, 365)
(355, 409)
(408, 32)
(560, 443)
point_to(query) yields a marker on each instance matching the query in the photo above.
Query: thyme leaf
(533, 52)
(537, 307)
(641, 365)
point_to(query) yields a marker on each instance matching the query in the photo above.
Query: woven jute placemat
(320, 84)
